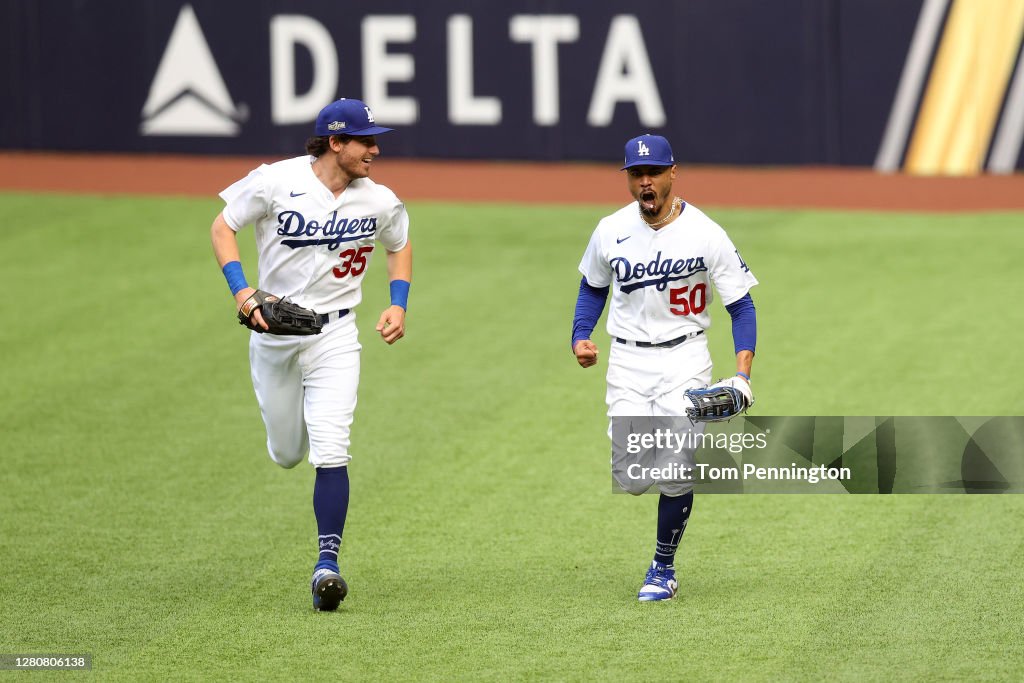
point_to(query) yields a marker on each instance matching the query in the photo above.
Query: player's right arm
(225, 249)
(586, 353)
(591, 300)
(589, 305)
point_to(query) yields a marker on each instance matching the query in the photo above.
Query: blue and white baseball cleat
(329, 589)
(659, 584)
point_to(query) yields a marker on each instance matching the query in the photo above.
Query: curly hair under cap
(318, 145)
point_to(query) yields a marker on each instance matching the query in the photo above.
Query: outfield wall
(848, 82)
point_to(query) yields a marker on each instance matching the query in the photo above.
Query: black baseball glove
(721, 401)
(281, 315)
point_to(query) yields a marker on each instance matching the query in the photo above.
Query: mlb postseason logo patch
(336, 125)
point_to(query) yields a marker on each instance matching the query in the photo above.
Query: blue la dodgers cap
(648, 150)
(347, 117)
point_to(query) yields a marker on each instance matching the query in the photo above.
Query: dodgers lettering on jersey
(663, 281)
(314, 247)
(657, 272)
(332, 233)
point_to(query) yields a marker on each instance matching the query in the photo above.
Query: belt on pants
(660, 345)
(333, 315)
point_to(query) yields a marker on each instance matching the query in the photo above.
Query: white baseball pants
(651, 382)
(306, 388)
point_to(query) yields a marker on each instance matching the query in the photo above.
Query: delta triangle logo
(188, 95)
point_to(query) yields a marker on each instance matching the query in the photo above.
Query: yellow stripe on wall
(961, 103)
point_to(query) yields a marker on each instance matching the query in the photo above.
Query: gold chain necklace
(676, 203)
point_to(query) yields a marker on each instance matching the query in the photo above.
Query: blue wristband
(400, 293)
(235, 277)
(743, 375)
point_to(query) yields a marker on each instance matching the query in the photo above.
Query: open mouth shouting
(648, 202)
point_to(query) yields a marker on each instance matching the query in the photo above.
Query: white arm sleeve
(246, 200)
(594, 265)
(395, 234)
(729, 273)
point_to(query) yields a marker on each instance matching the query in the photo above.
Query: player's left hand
(723, 400)
(392, 324)
(741, 385)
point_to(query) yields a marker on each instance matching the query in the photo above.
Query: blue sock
(673, 511)
(330, 505)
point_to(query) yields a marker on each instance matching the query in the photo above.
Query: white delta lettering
(624, 72)
(287, 32)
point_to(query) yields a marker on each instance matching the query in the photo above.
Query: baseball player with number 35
(660, 257)
(318, 218)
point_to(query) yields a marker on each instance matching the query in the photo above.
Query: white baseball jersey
(314, 247)
(661, 279)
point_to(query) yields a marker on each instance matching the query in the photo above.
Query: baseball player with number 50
(318, 218)
(660, 257)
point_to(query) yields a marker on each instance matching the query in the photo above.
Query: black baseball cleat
(329, 589)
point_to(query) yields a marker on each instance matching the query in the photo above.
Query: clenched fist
(586, 353)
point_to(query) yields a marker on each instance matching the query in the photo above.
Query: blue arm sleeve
(589, 304)
(744, 323)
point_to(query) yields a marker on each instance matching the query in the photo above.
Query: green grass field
(142, 522)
